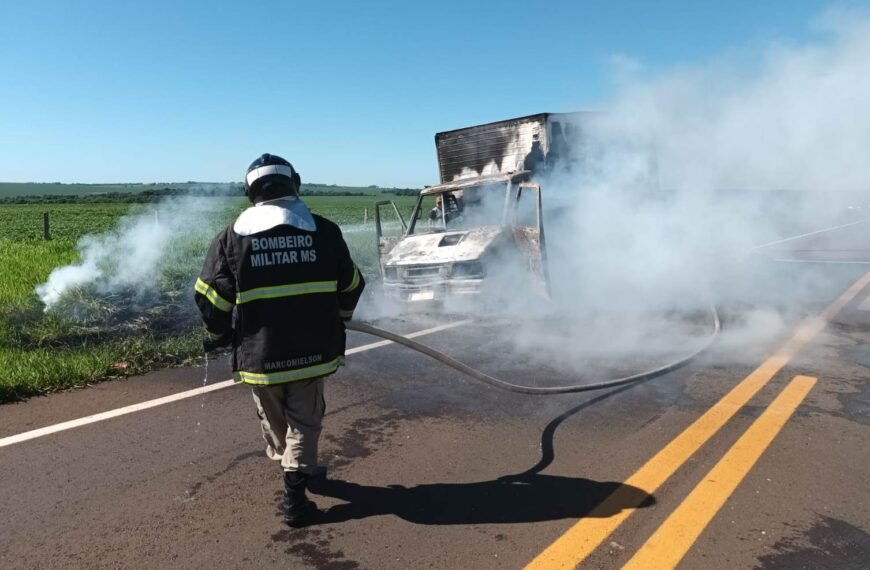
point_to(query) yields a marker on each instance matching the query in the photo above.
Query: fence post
(365, 215)
(46, 231)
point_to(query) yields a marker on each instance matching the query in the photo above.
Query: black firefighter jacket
(290, 278)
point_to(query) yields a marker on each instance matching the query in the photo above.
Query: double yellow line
(576, 544)
(673, 539)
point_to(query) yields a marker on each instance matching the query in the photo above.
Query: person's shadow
(522, 498)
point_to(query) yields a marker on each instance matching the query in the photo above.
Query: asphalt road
(724, 463)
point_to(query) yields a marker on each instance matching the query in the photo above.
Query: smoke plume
(685, 173)
(162, 242)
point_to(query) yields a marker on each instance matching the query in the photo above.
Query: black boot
(298, 510)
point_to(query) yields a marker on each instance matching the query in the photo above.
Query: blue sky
(350, 92)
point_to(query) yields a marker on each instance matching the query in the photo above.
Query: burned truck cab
(480, 232)
(471, 239)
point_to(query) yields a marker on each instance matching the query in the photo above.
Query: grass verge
(46, 352)
(37, 371)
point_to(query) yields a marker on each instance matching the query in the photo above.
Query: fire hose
(536, 390)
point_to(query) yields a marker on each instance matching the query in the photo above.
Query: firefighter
(277, 286)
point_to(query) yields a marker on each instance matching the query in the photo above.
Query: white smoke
(135, 256)
(727, 135)
(791, 117)
(747, 150)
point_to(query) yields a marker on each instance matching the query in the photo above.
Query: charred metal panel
(491, 149)
(525, 143)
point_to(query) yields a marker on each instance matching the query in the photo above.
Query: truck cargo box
(524, 143)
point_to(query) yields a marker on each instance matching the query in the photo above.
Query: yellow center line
(579, 541)
(670, 543)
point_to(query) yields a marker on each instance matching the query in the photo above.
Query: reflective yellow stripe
(286, 291)
(354, 283)
(289, 375)
(345, 314)
(214, 298)
(214, 336)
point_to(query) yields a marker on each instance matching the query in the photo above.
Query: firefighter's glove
(212, 343)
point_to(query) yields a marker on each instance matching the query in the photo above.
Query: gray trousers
(290, 417)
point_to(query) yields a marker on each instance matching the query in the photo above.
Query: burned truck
(482, 227)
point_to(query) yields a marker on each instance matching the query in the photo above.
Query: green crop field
(67, 221)
(102, 337)
(96, 191)
(9, 189)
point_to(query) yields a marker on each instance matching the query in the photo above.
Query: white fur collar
(289, 211)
